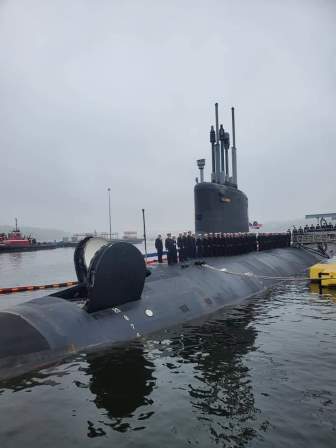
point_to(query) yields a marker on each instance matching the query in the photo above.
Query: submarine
(120, 298)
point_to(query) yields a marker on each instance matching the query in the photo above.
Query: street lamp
(109, 202)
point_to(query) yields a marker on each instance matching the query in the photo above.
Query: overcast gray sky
(99, 93)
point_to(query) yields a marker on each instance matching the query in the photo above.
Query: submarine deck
(172, 295)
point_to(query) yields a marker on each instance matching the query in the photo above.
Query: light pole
(144, 232)
(109, 202)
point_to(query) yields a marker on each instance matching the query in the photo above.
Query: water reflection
(223, 395)
(329, 293)
(122, 381)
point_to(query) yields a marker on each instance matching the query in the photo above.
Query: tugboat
(14, 239)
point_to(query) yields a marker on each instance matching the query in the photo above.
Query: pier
(327, 237)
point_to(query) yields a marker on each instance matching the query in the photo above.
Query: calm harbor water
(258, 374)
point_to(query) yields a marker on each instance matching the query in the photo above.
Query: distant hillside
(38, 233)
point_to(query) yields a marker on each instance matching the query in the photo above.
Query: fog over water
(120, 93)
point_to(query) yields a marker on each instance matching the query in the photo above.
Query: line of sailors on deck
(187, 246)
(318, 228)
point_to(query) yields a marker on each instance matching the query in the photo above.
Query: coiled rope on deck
(251, 274)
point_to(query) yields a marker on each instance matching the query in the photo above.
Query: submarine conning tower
(219, 205)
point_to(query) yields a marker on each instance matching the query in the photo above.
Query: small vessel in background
(255, 225)
(15, 239)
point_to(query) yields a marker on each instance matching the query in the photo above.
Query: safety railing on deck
(314, 237)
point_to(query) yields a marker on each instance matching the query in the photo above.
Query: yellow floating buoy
(323, 273)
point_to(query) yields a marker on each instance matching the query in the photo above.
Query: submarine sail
(219, 205)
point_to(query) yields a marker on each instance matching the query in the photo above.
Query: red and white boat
(255, 225)
(14, 239)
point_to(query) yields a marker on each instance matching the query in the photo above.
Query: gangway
(317, 241)
(314, 237)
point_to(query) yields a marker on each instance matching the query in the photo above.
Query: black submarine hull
(45, 330)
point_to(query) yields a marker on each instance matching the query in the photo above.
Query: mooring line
(17, 289)
(36, 287)
(250, 274)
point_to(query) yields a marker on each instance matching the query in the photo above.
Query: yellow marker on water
(325, 273)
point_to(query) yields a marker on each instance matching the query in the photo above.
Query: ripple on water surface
(258, 374)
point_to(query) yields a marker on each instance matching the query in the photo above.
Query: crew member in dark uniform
(169, 249)
(215, 245)
(223, 244)
(189, 245)
(185, 246)
(199, 246)
(211, 245)
(180, 247)
(174, 250)
(205, 245)
(159, 248)
(193, 238)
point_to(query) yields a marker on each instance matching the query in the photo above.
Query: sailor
(217, 244)
(214, 244)
(254, 244)
(174, 250)
(318, 228)
(312, 228)
(169, 249)
(222, 244)
(261, 241)
(210, 245)
(205, 245)
(190, 250)
(199, 246)
(194, 250)
(236, 243)
(228, 244)
(180, 247)
(289, 235)
(185, 246)
(289, 239)
(159, 248)
(245, 243)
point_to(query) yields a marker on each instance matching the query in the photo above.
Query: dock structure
(321, 217)
(323, 242)
(315, 237)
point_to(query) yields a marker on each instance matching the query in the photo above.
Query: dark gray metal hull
(220, 208)
(44, 330)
